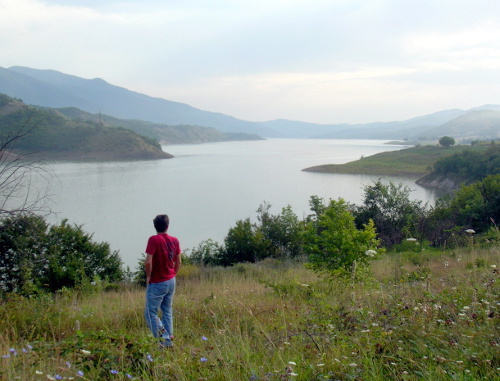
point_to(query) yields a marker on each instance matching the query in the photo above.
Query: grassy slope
(427, 315)
(416, 161)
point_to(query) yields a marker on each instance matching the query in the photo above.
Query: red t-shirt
(163, 248)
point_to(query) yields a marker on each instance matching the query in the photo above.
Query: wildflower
(38, 372)
(319, 365)
(411, 239)
(291, 363)
(365, 331)
(29, 347)
(6, 356)
(129, 376)
(85, 352)
(353, 364)
(370, 253)
(204, 338)
(80, 373)
(25, 350)
(203, 359)
(113, 371)
(293, 374)
(58, 377)
(50, 377)
(493, 266)
(149, 358)
(13, 351)
(68, 364)
(470, 231)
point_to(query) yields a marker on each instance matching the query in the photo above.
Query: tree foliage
(475, 206)
(446, 141)
(334, 244)
(470, 165)
(38, 257)
(395, 215)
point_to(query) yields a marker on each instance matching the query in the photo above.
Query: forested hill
(465, 167)
(48, 134)
(166, 134)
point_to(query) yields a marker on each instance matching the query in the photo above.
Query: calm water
(206, 188)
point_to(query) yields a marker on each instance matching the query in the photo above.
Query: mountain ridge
(50, 88)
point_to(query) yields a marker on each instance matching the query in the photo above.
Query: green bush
(36, 257)
(334, 244)
(395, 216)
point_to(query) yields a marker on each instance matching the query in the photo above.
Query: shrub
(395, 216)
(334, 244)
(36, 257)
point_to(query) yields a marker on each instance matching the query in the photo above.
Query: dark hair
(161, 223)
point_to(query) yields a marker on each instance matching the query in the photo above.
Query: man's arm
(148, 267)
(177, 262)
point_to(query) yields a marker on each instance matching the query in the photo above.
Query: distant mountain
(54, 89)
(476, 124)
(45, 133)
(50, 88)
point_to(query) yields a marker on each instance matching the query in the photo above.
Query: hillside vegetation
(48, 134)
(421, 316)
(166, 134)
(463, 167)
(415, 161)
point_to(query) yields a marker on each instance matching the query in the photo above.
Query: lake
(206, 188)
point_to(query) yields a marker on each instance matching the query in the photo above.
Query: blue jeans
(159, 297)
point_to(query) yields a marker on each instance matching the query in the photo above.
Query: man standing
(163, 260)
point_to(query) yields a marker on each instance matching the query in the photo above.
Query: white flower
(291, 363)
(353, 364)
(370, 253)
(411, 239)
(85, 352)
(470, 231)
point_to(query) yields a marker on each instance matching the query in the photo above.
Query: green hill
(166, 134)
(48, 134)
(415, 161)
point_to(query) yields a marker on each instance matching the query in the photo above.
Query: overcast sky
(336, 61)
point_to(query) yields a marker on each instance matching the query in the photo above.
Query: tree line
(336, 234)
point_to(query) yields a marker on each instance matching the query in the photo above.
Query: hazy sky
(311, 60)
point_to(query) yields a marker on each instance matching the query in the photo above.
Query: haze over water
(206, 188)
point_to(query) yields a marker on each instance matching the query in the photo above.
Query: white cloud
(318, 60)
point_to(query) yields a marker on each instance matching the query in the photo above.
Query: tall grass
(431, 315)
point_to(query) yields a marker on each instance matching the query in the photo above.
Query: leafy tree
(470, 165)
(243, 243)
(395, 216)
(334, 244)
(446, 141)
(207, 253)
(281, 232)
(37, 257)
(74, 257)
(475, 206)
(23, 253)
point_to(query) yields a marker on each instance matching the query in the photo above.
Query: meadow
(427, 314)
(412, 162)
